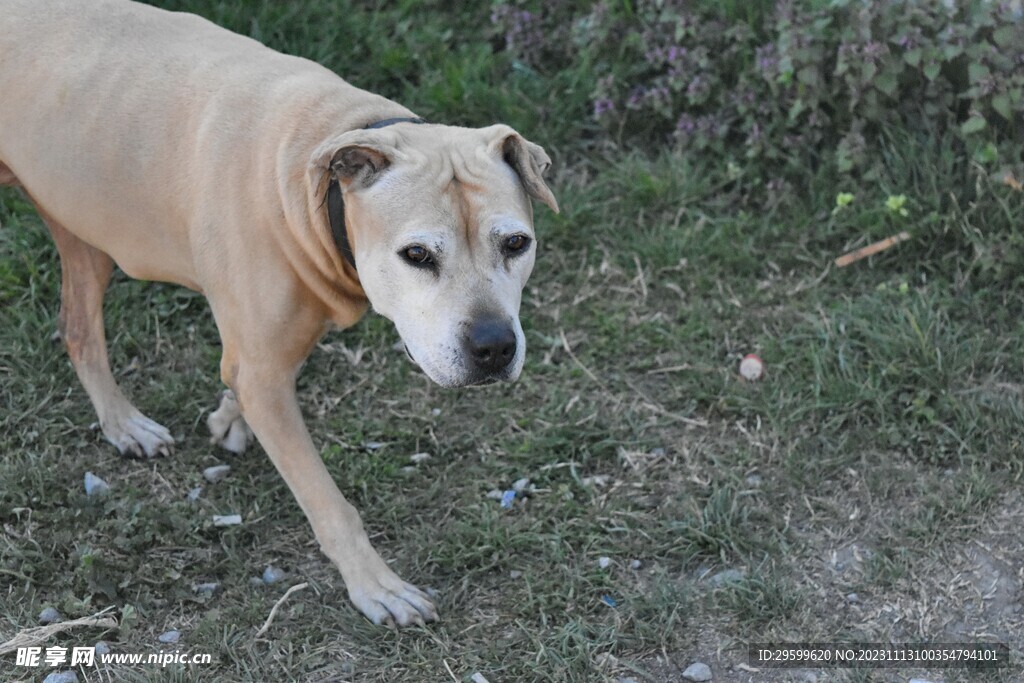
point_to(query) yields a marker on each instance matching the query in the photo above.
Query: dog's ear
(356, 158)
(529, 161)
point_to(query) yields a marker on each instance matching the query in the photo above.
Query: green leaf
(1001, 103)
(887, 83)
(808, 75)
(1004, 36)
(974, 124)
(912, 57)
(932, 70)
(977, 72)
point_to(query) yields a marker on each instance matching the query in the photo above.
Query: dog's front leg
(266, 395)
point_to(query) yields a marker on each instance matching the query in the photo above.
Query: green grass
(891, 417)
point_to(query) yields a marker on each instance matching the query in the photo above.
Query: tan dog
(185, 153)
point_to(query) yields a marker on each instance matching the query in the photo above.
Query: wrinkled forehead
(460, 174)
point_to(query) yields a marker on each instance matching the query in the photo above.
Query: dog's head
(441, 227)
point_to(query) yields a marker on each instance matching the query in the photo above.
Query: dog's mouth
(471, 383)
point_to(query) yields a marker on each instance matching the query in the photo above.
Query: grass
(883, 449)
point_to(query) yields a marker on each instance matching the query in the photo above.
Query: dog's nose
(490, 344)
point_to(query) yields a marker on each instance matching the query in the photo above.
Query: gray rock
(754, 480)
(626, 680)
(417, 458)
(194, 494)
(635, 564)
(698, 671)
(62, 677)
(604, 562)
(521, 485)
(919, 680)
(216, 473)
(102, 648)
(515, 574)
(94, 486)
(49, 616)
(207, 588)
(272, 574)
(852, 597)
(169, 637)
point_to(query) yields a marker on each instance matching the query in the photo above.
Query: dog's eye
(515, 244)
(418, 255)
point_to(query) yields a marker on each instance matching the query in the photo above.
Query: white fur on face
(472, 278)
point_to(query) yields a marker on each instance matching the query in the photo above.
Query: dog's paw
(227, 426)
(137, 436)
(387, 600)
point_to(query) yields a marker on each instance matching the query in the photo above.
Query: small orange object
(1010, 180)
(871, 249)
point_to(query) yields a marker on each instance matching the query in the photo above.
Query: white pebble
(751, 367)
(227, 520)
(272, 574)
(169, 637)
(208, 588)
(478, 678)
(102, 648)
(603, 562)
(94, 486)
(417, 458)
(216, 473)
(495, 494)
(194, 494)
(521, 485)
(635, 564)
(49, 616)
(515, 574)
(698, 671)
(62, 677)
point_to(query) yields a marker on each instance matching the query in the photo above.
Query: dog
(292, 200)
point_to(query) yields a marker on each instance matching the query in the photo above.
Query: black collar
(336, 205)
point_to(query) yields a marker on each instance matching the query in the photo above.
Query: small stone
(521, 485)
(726, 576)
(478, 678)
(102, 648)
(256, 581)
(409, 469)
(169, 637)
(49, 616)
(658, 452)
(374, 445)
(754, 480)
(698, 671)
(435, 412)
(272, 574)
(417, 458)
(919, 680)
(626, 680)
(852, 597)
(94, 486)
(515, 574)
(227, 520)
(216, 473)
(604, 562)
(194, 494)
(495, 494)
(635, 564)
(62, 677)
(206, 588)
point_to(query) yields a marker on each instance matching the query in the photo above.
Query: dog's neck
(336, 204)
